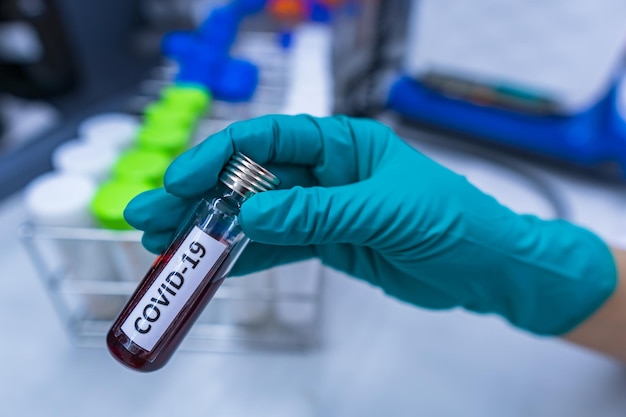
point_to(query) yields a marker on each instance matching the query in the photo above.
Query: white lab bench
(378, 357)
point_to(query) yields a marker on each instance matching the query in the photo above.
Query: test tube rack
(87, 305)
(87, 299)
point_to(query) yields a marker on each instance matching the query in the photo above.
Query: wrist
(605, 330)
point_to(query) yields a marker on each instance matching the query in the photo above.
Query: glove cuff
(567, 273)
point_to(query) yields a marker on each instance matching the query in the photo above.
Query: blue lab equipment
(204, 57)
(237, 81)
(591, 138)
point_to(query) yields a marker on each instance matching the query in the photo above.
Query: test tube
(129, 257)
(192, 98)
(251, 305)
(169, 140)
(116, 130)
(84, 158)
(186, 276)
(62, 200)
(297, 286)
(142, 166)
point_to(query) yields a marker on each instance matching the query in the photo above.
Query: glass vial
(186, 276)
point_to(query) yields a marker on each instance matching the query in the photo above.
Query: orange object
(288, 10)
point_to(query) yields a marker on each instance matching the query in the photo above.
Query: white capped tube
(63, 200)
(83, 158)
(60, 199)
(116, 130)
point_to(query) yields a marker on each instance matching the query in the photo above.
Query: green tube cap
(111, 199)
(171, 141)
(142, 165)
(162, 115)
(193, 98)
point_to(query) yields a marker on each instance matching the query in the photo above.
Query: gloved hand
(368, 204)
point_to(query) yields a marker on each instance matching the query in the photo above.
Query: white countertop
(379, 356)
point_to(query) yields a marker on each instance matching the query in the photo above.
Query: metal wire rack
(90, 273)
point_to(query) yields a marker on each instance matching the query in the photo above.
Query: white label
(172, 289)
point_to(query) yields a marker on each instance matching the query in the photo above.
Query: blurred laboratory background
(526, 99)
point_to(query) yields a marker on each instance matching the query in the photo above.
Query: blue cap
(178, 43)
(285, 39)
(202, 69)
(320, 12)
(219, 30)
(238, 81)
(247, 7)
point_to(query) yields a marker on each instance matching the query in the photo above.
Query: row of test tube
(114, 158)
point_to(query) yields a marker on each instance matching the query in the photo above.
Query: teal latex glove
(368, 204)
